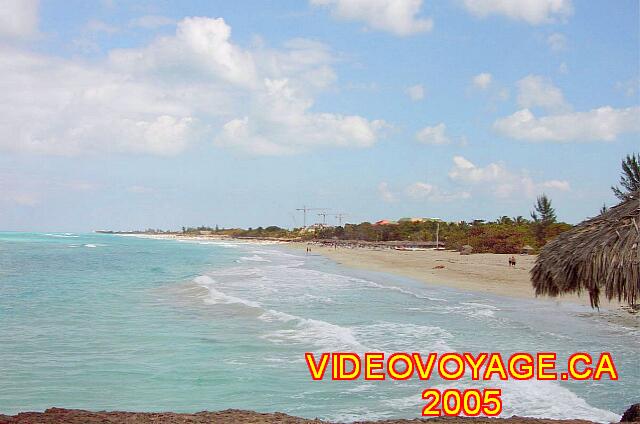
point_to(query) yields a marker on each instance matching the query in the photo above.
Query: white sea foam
(546, 399)
(468, 309)
(404, 291)
(324, 335)
(90, 245)
(404, 337)
(218, 297)
(273, 316)
(254, 258)
(535, 399)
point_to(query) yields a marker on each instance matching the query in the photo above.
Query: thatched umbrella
(601, 254)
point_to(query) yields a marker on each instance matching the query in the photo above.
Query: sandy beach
(483, 272)
(478, 272)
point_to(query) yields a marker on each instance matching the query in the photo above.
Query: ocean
(106, 322)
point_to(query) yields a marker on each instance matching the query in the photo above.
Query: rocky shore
(76, 416)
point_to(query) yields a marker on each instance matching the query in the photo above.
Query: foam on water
(217, 297)
(404, 291)
(253, 258)
(318, 333)
(535, 399)
(545, 399)
(392, 337)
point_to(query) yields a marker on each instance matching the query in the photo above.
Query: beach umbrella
(599, 256)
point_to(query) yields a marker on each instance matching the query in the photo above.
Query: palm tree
(543, 216)
(519, 220)
(504, 220)
(630, 178)
(544, 212)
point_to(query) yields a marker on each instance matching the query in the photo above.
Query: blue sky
(129, 115)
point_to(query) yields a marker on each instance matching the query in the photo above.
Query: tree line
(504, 235)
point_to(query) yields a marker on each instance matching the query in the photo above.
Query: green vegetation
(630, 177)
(543, 217)
(505, 235)
(268, 232)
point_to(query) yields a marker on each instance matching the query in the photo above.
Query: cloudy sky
(121, 114)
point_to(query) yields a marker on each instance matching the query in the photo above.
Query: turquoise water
(110, 322)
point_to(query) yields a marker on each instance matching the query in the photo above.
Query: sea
(108, 322)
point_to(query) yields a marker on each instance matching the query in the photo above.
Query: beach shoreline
(483, 273)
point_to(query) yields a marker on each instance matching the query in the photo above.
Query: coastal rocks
(632, 414)
(76, 416)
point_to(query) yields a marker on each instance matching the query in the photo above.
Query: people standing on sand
(512, 261)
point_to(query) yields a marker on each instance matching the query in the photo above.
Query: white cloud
(285, 127)
(602, 124)
(385, 193)
(19, 19)
(419, 190)
(415, 92)
(95, 25)
(399, 17)
(465, 171)
(55, 106)
(433, 135)
(557, 42)
(557, 185)
(534, 12)
(536, 91)
(500, 181)
(482, 81)
(160, 98)
(151, 22)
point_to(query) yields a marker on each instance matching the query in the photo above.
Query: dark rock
(632, 414)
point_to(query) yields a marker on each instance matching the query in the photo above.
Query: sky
(134, 114)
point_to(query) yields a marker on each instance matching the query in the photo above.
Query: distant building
(414, 220)
(314, 228)
(205, 232)
(385, 222)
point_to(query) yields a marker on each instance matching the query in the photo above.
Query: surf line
(454, 365)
